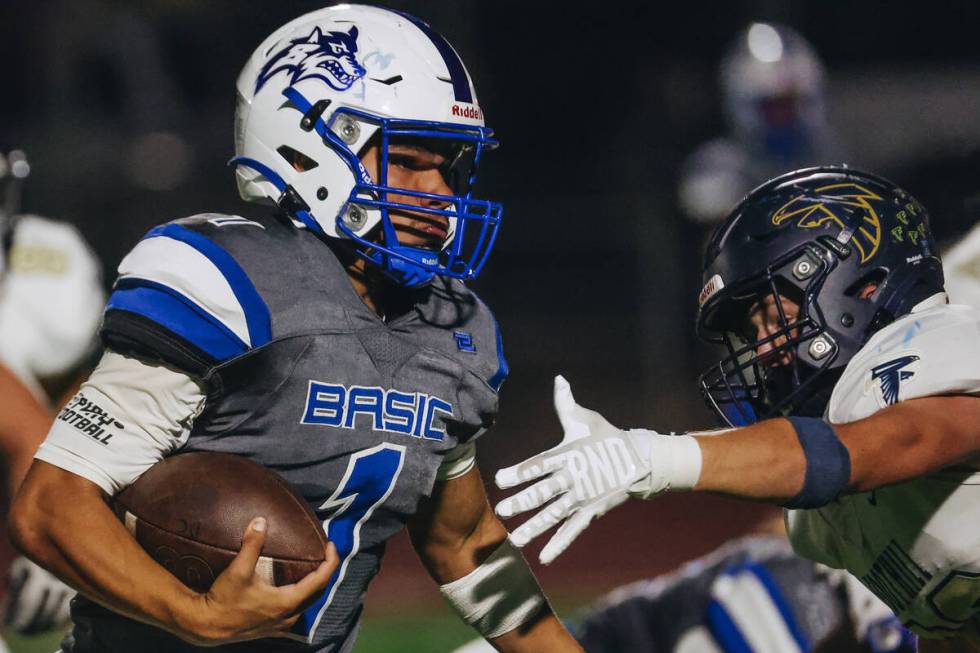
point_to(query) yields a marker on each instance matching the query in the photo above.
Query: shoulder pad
(932, 352)
(182, 282)
(961, 269)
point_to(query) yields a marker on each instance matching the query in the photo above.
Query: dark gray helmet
(823, 238)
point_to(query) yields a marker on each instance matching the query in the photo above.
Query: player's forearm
(763, 462)
(545, 634)
(19, 461)
(455, 529)
(61, 522)
(20, 454)
(24, 422)
(485, 579)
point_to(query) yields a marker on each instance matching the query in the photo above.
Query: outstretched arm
(765, 461)
(458, 537)
(804, 463)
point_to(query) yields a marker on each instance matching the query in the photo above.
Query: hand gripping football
(189, 513)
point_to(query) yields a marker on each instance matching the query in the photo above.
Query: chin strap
(405, 272)
(289, 200)
(404, 265)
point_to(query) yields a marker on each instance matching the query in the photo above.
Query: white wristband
(499, 595)
(674, 460)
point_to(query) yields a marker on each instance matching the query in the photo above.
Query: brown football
(189, 513)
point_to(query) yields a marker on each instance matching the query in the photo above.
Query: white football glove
(36, 600)
(595, 468)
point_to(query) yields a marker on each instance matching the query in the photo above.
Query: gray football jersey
(356, 413)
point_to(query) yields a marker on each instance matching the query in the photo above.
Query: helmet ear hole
(864, 287)
(295, 158)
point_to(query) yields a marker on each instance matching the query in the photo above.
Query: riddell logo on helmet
(470, 111)
(714, 284)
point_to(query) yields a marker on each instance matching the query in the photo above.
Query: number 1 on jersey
(370, 477)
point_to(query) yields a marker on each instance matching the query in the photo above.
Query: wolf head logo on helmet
(330, 58)
(325, 88)
(819, 239)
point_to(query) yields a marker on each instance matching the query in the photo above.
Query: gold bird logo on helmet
(812, 213)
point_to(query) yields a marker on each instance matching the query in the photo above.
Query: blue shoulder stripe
(257, 315)
(177, 314)
(503, 369)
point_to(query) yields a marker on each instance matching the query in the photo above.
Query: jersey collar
(939, 299)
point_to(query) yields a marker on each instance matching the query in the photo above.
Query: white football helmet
(325, 84)
(773, 86)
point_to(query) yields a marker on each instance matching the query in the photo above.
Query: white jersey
(51, 300)
(915, 544)
(961, 267)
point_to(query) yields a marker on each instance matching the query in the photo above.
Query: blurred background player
(752, 595)
(774, 99)
(50, 307)
(51, 295)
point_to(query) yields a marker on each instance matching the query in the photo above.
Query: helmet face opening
(472, 223)
(776, 347)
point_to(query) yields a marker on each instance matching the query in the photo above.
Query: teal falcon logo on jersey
(891, 375)
(410, 413)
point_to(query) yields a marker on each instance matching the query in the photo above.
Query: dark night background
(125, 109)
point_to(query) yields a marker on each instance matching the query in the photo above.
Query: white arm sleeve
(458, 461)
(129, 415)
